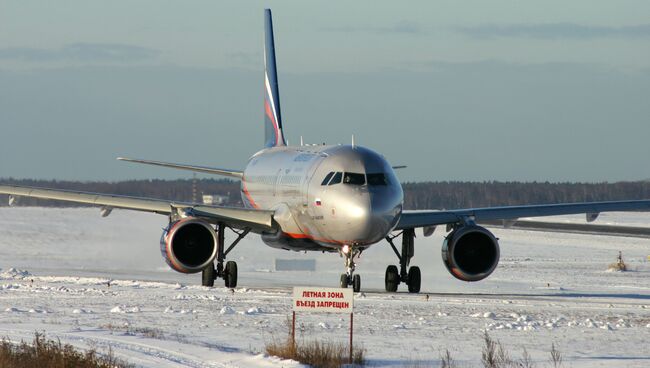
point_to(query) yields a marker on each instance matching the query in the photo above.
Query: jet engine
(471, 253)
(189, 245)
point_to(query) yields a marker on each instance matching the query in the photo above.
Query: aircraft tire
(356, 283)
(392, 278)
(230, 274)
(207, 276)
(415, 279)
(344, 281)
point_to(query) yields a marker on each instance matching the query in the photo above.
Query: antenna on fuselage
(301, 143)
(352, 140)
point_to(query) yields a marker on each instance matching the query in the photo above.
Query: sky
(473, 90)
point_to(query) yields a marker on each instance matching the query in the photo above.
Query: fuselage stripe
(307, 236)
(248, 195)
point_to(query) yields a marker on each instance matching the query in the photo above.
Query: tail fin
(272, 119)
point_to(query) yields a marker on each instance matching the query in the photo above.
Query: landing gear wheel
(392, 278)
(356, 283)
(208, 276)
(344, 281)
(414, 279)
(230, 274)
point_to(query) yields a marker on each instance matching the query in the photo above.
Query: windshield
(354, 179)
(336, 179)
(327, 178)
(377, 179)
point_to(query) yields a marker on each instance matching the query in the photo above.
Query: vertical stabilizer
(272, 118)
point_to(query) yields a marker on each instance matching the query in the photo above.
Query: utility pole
(194, 188)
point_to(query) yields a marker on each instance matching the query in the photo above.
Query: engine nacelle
(471, 253)
(189, 245)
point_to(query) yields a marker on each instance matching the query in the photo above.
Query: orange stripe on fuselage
(248, 195)
(307, 236)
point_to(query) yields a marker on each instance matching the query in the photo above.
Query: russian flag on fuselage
(272, 118)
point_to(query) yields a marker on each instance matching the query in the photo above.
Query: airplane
(327, 198)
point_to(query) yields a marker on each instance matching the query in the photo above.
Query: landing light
(356, 211)
(345, 249)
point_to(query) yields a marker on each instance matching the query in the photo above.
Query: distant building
(295, 264)
(214, 199)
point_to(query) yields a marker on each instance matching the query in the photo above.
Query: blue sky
(500, 90)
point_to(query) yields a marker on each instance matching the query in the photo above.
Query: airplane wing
(413, 219)
(203, 169)
(572, 227)
(256, 220)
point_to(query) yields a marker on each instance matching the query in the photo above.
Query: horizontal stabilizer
(203, 169)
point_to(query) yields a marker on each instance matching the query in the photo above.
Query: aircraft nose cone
(385, 210)
(371, 217)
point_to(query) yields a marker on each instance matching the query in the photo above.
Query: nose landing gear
(413, 277)
(349, 278)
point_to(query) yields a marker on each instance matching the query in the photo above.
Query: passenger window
(336, 179)
(377, 179)
(327, 178)
(354, 179)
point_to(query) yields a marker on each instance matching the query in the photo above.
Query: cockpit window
(354, 179)
(377, 179)
(327, 178)
(336, 179)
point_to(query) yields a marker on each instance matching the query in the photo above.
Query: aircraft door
(276, 185)
(309, 213)
(314, 192)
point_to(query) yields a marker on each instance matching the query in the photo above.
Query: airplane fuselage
(324, 197)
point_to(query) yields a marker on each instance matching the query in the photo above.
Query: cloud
(403, 27)
(81, 52)
(555, 31)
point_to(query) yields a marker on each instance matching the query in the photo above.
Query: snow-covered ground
(548, 288)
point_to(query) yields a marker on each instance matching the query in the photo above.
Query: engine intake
(188, 245)
(470, 253)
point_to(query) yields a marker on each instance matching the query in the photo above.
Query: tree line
(456, 194)
(421, 195)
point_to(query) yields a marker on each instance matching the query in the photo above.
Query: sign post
(293, 329)
(317, 299)
(351, 325)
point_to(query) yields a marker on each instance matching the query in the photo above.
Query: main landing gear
(349, 278)
(228, 273)
(413, 277)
